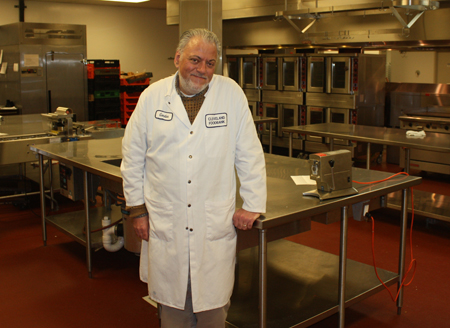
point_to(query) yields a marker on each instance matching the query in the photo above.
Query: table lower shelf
(426, 204)
(73, 223)
(302, 285)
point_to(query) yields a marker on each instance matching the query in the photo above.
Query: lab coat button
(191, 229)
(192, 132)
(189, 181)
(187, 228)
(189, 205)
(190, 156)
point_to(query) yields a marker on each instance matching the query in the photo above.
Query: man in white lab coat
(187, 135)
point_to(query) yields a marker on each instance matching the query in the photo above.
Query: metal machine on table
(333, 174)
(19, 132)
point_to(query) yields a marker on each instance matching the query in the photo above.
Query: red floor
(48, 286)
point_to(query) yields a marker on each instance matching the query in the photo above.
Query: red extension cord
(413, 263)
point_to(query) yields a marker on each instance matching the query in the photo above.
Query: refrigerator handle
(328, 74)
(49, 101)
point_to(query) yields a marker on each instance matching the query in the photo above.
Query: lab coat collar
(173, 100)
(172, 90)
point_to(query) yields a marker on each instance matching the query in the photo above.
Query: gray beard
(188, 86)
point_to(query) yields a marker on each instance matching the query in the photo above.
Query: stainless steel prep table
(17, 134)
(259, 120)
(426, 203)
(372, 134)
(286, 208)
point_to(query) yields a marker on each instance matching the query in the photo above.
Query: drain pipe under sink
(107, 237)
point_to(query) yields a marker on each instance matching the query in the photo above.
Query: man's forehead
(198, 46)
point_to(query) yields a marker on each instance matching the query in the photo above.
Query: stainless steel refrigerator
(44, 67)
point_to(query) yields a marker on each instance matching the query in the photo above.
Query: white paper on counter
(303, 180)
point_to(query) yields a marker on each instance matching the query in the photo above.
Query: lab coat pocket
(219, 220)
(216, 142)
(161, 220)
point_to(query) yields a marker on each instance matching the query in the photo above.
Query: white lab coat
(185, 175)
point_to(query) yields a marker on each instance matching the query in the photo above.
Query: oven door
(316, 74)
(270, 73)
(290, 116)
(339, 75)
(234, 65)
(253, 106)
(290, 73)
(250, 72)
(271, 110)
(315, 115)
(339, 115)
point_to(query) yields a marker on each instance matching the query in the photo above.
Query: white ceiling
(154, 4)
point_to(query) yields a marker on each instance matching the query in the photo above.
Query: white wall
(412, 66)
(443, 67)
(138, 37)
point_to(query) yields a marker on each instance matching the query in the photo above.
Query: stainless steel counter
(425, 203)
(19, 132)
(288, 212)
(372, 134)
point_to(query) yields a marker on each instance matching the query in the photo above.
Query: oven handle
(328, 74)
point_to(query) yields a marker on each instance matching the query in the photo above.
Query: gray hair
(206, 35)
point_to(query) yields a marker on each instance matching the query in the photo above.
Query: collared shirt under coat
(185, 174)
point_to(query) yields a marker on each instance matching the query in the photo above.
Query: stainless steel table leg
(368, 156)
(407, 159)
(42, 191)
(401, 264)
(343, 266)
(262, 279)
(50, 172)
(270, 138)
(291, 143)
(88, 224)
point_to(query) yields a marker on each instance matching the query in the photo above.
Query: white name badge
(216, 120)
(165, 116)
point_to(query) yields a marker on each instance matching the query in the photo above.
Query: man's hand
(141, 227)
(243, 219)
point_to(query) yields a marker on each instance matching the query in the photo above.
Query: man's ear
(176, 60)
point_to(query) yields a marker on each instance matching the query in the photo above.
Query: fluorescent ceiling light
(133, 1)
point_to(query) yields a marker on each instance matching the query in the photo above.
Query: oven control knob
(446, 128)
(428, 126)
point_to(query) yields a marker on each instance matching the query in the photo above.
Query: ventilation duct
(364, 9)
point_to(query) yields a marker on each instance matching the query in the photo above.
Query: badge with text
(216, 120)
(165, 116)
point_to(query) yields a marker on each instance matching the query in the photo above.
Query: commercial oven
(353, 81)
(284, 72)
(343, 116)
(292, 115)
(234, 64)
(245, 70)
(271, 110)
(350, 88)
(254, 108)
(315, 115)
(336, 74)
(283, 82)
